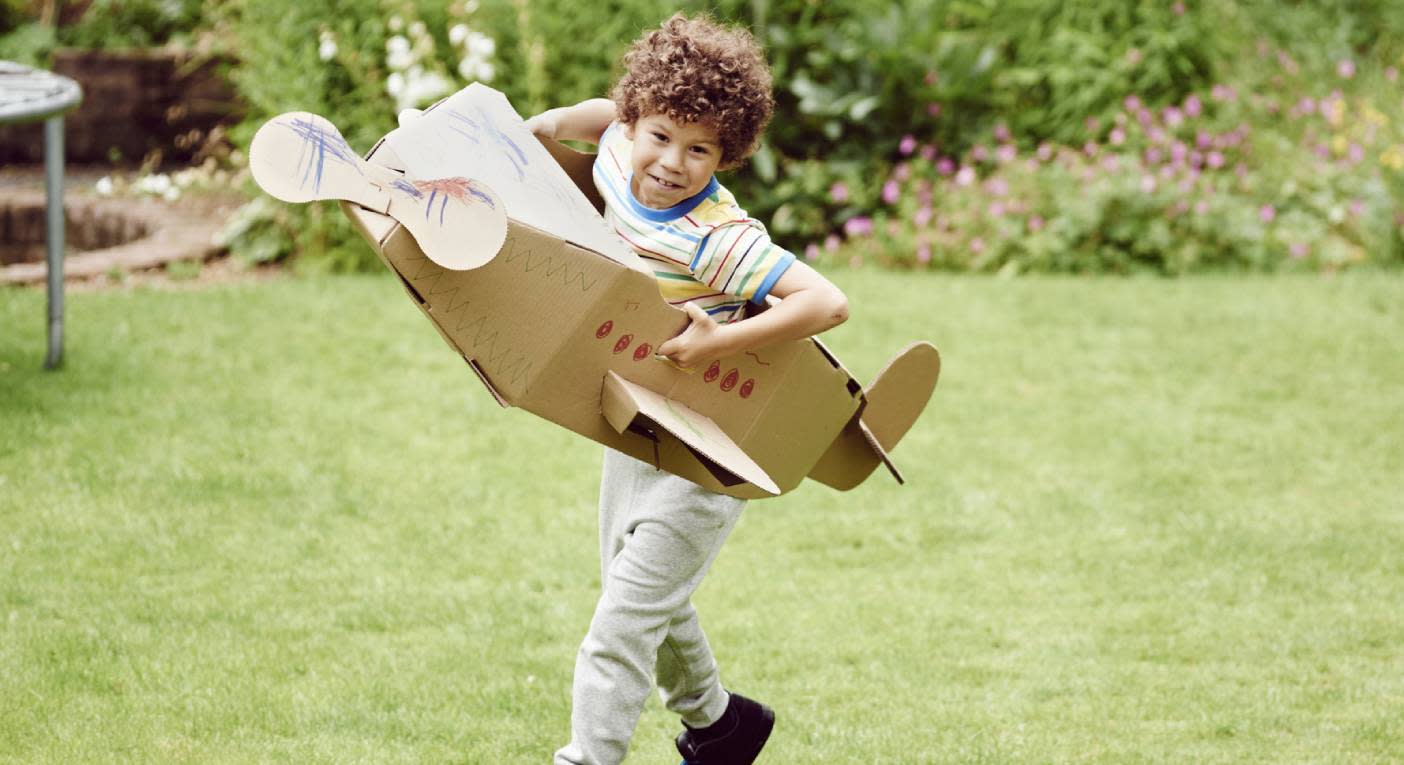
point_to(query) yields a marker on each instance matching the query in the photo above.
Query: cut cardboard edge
(624, 402)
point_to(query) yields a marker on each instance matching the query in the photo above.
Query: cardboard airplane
(497, 237)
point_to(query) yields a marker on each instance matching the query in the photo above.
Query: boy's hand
(545, 124)
(702, 339)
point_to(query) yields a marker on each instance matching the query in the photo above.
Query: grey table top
(32, 94)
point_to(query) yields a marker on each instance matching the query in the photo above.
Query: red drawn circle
(747, 387)
(623, 343)
(712, 372)
(729, 381)
(604, 330)
(642, 352)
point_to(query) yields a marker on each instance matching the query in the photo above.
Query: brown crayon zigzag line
(534, 261)
(504, 362)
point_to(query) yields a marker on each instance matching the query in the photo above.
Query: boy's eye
(660, 137)
(700, 150)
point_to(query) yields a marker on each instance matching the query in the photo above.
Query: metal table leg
(53, 177)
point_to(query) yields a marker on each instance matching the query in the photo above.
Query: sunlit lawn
(1146, 521)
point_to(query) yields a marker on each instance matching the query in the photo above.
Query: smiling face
(671, 160)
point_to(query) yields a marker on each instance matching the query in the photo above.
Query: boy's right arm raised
(585, 121)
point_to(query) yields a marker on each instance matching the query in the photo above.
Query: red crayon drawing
(604, 330)
(747, 387)
(729, 381)
(623, 343)
(642, 352)
(712, 371)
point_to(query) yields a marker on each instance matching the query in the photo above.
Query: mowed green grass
(1146, 521)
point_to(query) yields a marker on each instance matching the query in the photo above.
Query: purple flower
(891, 191)
(1345, 68)
(1153, 156)
(1036, 223)
(1215, 160)
(966, 176)
(1203, 140)
(839, 192)
(927, 152)
(1298, 250)
(811, 251)
(945, 166)
(1196, 160)
(1090, 148)
(1306, 106)
(979, 153)
(1267, 213)
(1132, 104)
(1173, 116)
(923, 253)
(831, 242)
(1117, 136)
(1322, 150)
(1006, 153)
(1145, 117)
(1178, 151)
(1193, 106)
(858, 226)
(1158, 135)
(908, 145)
(1001, 133)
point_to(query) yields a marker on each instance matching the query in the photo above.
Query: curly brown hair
(695, 70)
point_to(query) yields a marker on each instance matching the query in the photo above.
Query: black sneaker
(735, 739)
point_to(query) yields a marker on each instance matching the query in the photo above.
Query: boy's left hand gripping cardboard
(496, 236)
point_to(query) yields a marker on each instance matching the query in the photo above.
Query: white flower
(397, 53)
(396, 23)
(470, 6)
(395, 84)
(103, 186)
(458, 33)
(422, 87)
(476, 69)
(326, 51)
(480, 45)
(171, 194)
(397, 44)
(417, 29)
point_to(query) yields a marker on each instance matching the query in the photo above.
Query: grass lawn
(1146, 521)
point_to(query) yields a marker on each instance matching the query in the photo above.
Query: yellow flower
(1393, 158)
(1374, 116)
(1335, 113)
(1339, 145)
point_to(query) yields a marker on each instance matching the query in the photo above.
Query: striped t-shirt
(704, 250)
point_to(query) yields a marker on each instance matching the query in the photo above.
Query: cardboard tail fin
(893, 402)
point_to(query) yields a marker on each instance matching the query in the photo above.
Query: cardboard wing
(568, 332)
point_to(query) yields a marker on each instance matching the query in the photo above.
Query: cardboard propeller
(568, 332)
(460, 223)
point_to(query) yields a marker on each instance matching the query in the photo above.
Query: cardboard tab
(624, 401)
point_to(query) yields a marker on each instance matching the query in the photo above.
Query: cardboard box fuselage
(544, 322)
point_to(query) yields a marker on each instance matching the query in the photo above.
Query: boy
(695, 98)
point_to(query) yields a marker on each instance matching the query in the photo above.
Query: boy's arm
(809, 304)
(585, 121)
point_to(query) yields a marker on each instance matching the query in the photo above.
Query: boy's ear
(628, 130)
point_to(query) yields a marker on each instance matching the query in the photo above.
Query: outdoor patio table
(32, 94)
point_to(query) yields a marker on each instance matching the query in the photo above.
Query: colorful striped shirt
(704, 250)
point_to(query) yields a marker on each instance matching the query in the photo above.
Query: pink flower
(1001, 133)
(933, 109)
(839, 192)
(1222, 93)
(1132, 104)
(1193, 106)
(977, 245)
(1178, 8)
(1267, 213)
(1203, 140)
(1306, 106)
(831, 242)
(908, 145)
(1240, 170)
(858, 226)
(979, 153)
(1090, 148)
(996, 209)
(1045, 151)
(1173, 116)
(997, 187)
(1117, 136)
(891, 192)
(1036, 223)
(1158, 135)
(922, 217)
(1285, 61)
(1153, 156)
(945, 166)
(1134, 56)
(1357, 207)
(1215, 160)
(966, 176)
(1177, 152)
(1196, 160)
(1147, 184)
(927, 152)
(1092, 124)
(902, 172)
(1345, 68)
(811, 251)
(1111, 162)
(932, 77)
(1391, 74)
(1298, 250)
(1355, 153)
(1322, 150)
(1201, 207)
(923, 253)
(1006, 153)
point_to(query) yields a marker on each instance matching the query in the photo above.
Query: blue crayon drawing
(318, 144)
(483, 127)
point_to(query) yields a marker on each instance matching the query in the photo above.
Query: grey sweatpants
(658, 536)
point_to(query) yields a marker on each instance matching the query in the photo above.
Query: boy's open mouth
(665, 184)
